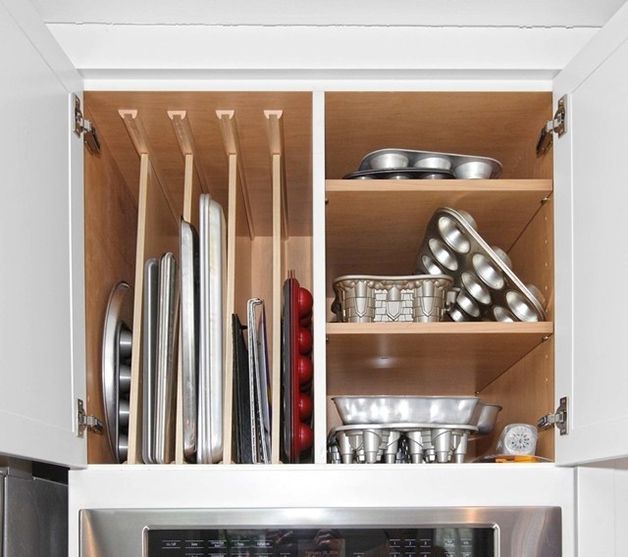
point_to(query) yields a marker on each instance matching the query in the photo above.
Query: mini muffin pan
(489, 289)
(465, 167)
(401, 174)
(398, 443)
(116, 366)
(413, 298)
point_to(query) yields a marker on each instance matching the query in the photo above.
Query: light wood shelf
(376, 227)
(425, 358)
(365, 186)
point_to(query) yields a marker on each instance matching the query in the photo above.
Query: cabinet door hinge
(91, 423)
(557, 125)
(558, 420)
(84, 128)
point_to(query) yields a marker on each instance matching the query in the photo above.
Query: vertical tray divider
(280, 234)
(240, 235)
(194, 183)
(157, 232)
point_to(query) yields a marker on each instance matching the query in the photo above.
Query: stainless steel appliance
(341, 532)
(33, 516)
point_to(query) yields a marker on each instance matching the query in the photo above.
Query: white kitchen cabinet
(43, 362)
(590, 348)
(42, 328)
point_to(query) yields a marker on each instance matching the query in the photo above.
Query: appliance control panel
(454, 541)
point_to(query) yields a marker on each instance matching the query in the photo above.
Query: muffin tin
(397, 161)
(297, 371)
(414, 298)
(398, 443)
(401, 174)
(116, 366)
(489, 289)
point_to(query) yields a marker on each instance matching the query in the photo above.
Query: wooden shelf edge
(370, 186)
(444, 328)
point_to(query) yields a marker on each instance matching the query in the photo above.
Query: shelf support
(185, 138)
(231, 141)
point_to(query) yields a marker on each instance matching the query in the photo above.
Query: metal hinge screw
(91, 423)
(84, 128)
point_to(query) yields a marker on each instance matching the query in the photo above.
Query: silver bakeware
(251, 331)
(485, 417)
(149, 353)
(189, 335)
(414, 298)
(489, 289)
(406, 173)
(258, 382)
(165, 376)
(463, 166)
(399, 443)
(406, 409)
(116, 373)
(212, 268)
(264, 386)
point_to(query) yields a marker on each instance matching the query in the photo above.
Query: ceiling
(474, 13)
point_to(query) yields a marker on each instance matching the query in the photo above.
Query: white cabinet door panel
(591, 193)
(41, 283)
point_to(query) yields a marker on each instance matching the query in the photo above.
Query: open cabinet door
(41, 230)
(591, 191)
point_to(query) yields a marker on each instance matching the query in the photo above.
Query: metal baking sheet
(149, 353)
(255, 424)
(165, 360)
(212, 268)
(189, 335)
(489, 289)
(264, 386)
(462, 166)
(258, 381)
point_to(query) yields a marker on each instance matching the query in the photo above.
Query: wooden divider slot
(139, 138)
(231, 140)
(157, 232)
(280, 233)
(276, 142)
(239, 248)
(163, 150)
(185, 138)
(194, 183)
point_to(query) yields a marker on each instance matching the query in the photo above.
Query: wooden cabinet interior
(502, 125)
(149, 175)
(376, 227)
(253, 153)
